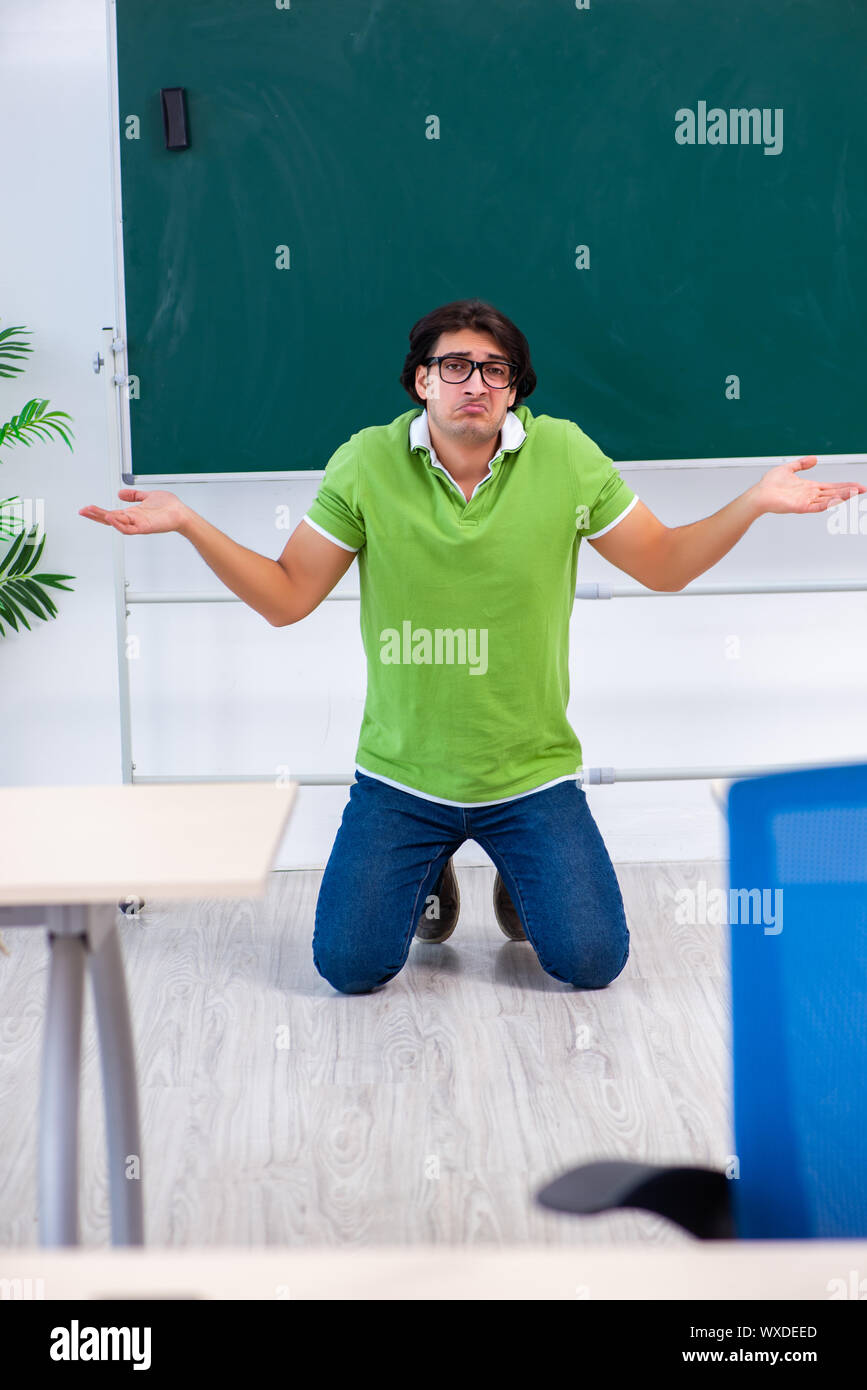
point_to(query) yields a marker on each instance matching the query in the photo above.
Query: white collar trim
(512, 436)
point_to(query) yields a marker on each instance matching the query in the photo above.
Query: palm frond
(20, 588)
(33, 418)
(10, 526)
(11, 348)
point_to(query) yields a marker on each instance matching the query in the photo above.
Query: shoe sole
(435, 932)
(510, 926)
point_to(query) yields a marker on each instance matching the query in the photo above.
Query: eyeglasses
(457, 369)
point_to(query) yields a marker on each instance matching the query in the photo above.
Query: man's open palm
(156, 511)
(782, 490)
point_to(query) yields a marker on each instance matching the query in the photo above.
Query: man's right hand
(156, 511)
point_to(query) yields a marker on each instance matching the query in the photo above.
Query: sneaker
(504, 910)
(440, 928)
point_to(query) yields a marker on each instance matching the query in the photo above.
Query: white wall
(216, 689)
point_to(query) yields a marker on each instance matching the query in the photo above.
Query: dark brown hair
(469, 313)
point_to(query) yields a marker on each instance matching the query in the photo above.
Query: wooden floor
(277, 1111)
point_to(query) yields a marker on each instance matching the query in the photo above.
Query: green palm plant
(20, 587)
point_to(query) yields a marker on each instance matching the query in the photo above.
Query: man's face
(446, 402)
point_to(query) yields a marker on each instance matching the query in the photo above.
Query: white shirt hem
(353, 549)
(626, 510)
(465, 805)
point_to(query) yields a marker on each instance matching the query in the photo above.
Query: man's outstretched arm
(668, 558)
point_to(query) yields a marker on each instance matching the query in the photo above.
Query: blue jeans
(390, 852)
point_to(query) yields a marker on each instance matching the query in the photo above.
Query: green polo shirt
(465, 605)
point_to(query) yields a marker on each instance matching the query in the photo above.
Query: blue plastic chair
(798, 846)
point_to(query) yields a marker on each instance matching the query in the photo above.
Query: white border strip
(637, 465)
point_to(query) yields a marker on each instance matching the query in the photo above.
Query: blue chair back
(798, 847)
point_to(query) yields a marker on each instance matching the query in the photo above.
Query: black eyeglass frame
(490, 362)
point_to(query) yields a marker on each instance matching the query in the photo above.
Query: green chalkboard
(404, 155)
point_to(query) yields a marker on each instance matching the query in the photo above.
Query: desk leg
(61, 1071)
(122, 1131)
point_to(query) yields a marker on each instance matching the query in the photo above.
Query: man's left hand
(783, 490)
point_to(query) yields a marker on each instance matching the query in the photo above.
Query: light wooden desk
(69, 857)
(760, 1270)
